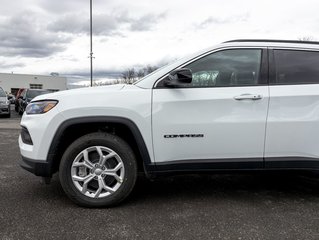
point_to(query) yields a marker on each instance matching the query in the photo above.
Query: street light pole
(91, 43)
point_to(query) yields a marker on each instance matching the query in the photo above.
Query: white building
(11, 83)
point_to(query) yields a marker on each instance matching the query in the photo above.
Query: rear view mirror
(179, 77)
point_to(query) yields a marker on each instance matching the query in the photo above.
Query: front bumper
(4, 109)
(39, 168)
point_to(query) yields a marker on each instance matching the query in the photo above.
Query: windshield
(2, 93)
(33, 93)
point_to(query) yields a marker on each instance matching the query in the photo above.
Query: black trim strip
(264, 69)
(38, 168)
(272, 67)
(209, 164)
(273, 163)
(292, 163)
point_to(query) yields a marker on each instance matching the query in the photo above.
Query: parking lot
(209, 206)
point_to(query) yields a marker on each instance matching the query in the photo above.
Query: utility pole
(91, 43)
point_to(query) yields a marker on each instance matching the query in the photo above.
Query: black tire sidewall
(98, 139)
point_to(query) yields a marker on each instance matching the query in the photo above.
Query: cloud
(6, 65)
(218, 20)
(104, 24)
(145, 22)
(61, 7)
(24, 35)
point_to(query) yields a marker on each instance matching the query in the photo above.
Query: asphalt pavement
(209, 206)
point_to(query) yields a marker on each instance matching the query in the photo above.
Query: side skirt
(302, 163)
(230, 165)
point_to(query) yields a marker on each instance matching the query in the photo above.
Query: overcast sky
(44, 36)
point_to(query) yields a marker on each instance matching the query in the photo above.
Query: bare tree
(149, 69)
(140, 73)
(129, 75)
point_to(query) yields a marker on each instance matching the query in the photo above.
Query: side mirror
(179, 77)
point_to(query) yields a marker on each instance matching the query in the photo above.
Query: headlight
(40, 107)
(6, 102)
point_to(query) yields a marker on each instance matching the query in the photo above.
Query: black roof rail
(272, 40)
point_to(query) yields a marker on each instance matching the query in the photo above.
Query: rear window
(296, 67)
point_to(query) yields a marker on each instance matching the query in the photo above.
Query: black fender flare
(148, 165)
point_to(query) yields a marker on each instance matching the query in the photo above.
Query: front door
(220, 117)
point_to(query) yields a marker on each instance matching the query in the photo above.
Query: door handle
(248, 96)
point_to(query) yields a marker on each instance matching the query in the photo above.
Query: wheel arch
(73, 128)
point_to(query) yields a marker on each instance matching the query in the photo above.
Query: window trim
(263, 70)
(272, 65)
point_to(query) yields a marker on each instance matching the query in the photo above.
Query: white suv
(242, 105)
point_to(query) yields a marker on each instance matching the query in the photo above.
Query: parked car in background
(16, 102)
(11, 98)
(4, 104)
(27, 95)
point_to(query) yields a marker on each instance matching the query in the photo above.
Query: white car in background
(241, 105)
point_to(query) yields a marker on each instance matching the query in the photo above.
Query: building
(11, 83)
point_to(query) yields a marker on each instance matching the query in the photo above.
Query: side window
(296, 67)
(235, 67)
(2, 93)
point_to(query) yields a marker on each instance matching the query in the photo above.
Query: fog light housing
(25, 136)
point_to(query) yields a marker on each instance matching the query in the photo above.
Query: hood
(3, 99)
(87, 92)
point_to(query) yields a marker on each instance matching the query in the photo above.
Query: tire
(20, 111)
(73, 167)
(9, 114)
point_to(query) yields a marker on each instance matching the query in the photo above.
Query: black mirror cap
(179, 77)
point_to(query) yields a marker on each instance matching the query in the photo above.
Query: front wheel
(98, 170)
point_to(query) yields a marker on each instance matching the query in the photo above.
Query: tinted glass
(33, 93)
(236, 67)
(296, 67)
(2, 93)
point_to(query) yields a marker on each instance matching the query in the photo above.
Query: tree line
(129, 75)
